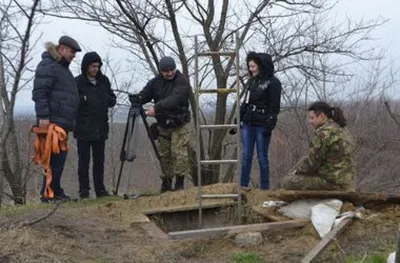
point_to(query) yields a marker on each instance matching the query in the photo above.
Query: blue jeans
(57, 162)
(252, 135)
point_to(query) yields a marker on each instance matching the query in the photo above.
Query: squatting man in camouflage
(170, 91)
(329, 164)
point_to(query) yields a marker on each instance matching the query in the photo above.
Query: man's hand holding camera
(151, 112)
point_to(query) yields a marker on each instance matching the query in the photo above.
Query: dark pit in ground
(211, 218)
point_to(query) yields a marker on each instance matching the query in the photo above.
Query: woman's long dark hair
(334, 113)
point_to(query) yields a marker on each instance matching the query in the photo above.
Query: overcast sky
(96, 38)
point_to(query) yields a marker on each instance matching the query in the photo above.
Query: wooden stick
(357, 198)
(30, 223)
(397, 259)
(185, 208)
(212, 232)
(326, 240)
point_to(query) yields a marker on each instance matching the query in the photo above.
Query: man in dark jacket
(170, 91)
(56, 100)
(91, 129)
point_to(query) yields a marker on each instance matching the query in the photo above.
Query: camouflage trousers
(298, 180)
(306, 182)
(173, 147)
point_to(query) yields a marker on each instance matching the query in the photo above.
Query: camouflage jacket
(330, 156)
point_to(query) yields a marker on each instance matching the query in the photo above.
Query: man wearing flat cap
(170, 91)
(56, 98)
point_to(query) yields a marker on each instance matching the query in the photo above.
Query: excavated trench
(211, 218)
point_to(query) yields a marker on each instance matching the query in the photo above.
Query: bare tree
(15, 47)
(296, 33)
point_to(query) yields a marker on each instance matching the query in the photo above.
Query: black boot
(166, 185)
(102, 193)
(179, 180)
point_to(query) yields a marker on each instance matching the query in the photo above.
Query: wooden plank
(357, 198)
(397, 257)
(188, 208)
(219, 196)
(269, 213)
(229, 230)
(326, 240)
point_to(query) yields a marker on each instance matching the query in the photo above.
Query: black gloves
(233, 131)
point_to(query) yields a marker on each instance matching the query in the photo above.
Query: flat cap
(69, 42)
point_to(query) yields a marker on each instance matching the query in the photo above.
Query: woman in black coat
(259, 113)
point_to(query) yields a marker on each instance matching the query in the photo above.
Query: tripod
(130, 139)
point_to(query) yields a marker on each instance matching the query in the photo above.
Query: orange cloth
(48, 141)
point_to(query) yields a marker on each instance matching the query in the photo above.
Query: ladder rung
(218, 161)
(210, 53)
(220, 91)
(220, 196)
(218, 126)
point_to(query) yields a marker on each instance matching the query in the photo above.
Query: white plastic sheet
(391, 258)
(323, 216)
(299, 209)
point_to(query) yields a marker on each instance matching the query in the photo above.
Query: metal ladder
(199, 127)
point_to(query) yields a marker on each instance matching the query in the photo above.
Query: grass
(199, 247)
(246, 257)
(377, 258)
(22, 209)
(15, 210)
(150, 192)
(95, 201)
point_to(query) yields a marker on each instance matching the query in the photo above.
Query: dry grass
(109, 230)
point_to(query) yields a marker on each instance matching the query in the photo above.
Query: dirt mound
(107, 233)
(169, 201)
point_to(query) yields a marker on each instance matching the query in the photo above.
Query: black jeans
(57, 162)
(98, 166)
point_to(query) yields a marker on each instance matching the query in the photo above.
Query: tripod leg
(128, 123)
(119, 177)
(123, 151)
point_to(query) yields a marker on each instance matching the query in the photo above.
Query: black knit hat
(167, 63)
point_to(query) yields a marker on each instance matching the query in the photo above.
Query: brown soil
(115, 232)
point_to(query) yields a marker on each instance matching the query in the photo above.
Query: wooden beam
(229, 230)
(326, 240)
(188, 208)
(269, 213)
(357, 198)
(397, 258)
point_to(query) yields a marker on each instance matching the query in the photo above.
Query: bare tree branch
(392, 115)
(44, 217)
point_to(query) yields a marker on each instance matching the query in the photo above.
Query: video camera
(135, 99)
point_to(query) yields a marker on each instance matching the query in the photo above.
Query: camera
(135, 99)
